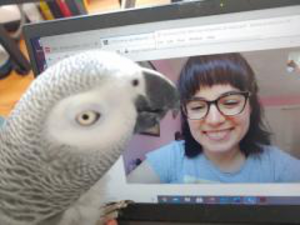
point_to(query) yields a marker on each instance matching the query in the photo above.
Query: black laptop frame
(184, 213)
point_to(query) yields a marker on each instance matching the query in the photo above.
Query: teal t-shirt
(272, 165)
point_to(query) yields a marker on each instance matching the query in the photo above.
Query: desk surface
(12, 87)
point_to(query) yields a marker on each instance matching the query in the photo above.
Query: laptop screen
(156, 167)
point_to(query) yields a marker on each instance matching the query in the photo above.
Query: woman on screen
(225, 139)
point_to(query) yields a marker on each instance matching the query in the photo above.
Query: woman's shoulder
(274, 153)
(172, 148)
(285, 166)
(166, 161)
(174, 144)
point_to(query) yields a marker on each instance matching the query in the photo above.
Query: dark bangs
(209, 70)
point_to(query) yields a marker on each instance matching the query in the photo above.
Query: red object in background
(64, 8)
(112, 222)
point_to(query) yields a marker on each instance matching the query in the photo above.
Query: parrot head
(92, 100)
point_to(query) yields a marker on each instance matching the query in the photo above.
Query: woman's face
(215, 132)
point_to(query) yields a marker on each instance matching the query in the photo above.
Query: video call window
(278, 96)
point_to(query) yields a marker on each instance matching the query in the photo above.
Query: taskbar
(237, 200)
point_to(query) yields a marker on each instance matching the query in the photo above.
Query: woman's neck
(230, 161)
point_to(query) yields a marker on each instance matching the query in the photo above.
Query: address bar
(207, 34)
(228, 32)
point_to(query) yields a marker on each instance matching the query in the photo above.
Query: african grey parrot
(69, 128)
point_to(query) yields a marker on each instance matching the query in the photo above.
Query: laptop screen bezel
(275, 214)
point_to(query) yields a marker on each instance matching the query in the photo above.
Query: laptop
(266, 33)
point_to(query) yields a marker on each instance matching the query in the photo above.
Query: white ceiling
(273, 78)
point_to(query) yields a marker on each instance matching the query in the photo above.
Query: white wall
(284, 122)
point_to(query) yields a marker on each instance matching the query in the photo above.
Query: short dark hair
(229, 68)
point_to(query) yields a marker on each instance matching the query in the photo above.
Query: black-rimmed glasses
(228, 104)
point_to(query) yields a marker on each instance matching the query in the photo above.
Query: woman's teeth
(218, 135)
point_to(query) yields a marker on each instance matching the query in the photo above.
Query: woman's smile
(218, 135)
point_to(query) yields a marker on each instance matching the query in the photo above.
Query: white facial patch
(115, 104)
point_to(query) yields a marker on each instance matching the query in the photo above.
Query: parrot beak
(161, 96)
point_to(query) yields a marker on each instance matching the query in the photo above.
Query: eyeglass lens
(228, 105)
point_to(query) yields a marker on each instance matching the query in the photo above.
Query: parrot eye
(135, 82)
(87, 118)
